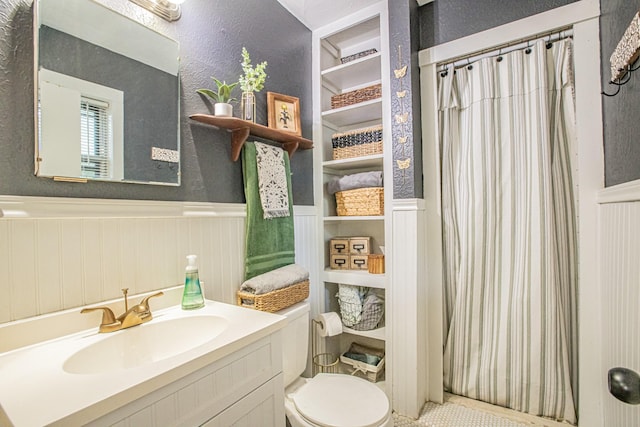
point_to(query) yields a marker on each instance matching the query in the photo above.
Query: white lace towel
(272, 181)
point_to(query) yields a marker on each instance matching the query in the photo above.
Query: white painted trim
(591, 378)
(408, 318)
(621, 193)
(583, 15)
(513, 31)
(408, 205)
(433, 231)
(63, 207)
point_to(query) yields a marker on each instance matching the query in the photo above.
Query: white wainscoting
(407, 308)
(619, 233)
(57, 254)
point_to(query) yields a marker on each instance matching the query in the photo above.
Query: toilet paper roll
(330, 324)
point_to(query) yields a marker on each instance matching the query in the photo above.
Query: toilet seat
(336, 400)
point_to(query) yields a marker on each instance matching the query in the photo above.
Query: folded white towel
(276, 279)
(357, 180)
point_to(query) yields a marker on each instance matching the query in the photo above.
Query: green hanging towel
(269, 243)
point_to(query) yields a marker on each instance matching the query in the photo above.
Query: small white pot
(222, 109)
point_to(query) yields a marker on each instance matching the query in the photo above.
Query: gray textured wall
(404, 30)
(446, 20)
(211, 35)
(621, 113)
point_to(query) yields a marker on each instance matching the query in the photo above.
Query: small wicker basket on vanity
(276, 300)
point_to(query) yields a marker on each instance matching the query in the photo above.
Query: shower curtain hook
(528, 49)
(499, 58)
(469, 66)
(549, 42)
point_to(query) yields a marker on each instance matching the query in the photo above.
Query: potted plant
(222, 97)
(252, 80)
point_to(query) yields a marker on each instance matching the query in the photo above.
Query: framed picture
(284, 113)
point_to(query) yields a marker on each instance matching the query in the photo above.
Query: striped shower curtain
(509, 230)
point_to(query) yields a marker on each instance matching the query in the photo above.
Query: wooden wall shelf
(241, 129)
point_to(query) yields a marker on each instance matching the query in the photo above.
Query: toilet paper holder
(326, 363)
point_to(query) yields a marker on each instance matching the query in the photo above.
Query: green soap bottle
(192, 296)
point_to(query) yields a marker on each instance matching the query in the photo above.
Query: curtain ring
(549, 44)
(528, 49)
(499, 58)
(469, 66)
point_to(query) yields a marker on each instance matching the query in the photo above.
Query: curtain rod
(461, 61)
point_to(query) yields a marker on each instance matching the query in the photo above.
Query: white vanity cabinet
(244, 388)
(223, 368)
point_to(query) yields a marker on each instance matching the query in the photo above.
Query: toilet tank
(295, 341)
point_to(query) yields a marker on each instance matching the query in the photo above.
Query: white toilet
(326, 400)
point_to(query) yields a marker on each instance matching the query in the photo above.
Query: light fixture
(166, 9)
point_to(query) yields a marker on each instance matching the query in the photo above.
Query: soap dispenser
(192, 296)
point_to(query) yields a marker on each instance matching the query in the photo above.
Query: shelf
(369, 162)
(241, 129)
(353, 218)
(354, 73)
(353, 277)
(366, 111)
(378, 334)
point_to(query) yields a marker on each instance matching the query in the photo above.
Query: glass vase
(248, 106)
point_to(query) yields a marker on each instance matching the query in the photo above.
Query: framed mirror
(107, 96)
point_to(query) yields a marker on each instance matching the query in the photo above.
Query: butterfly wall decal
(404, 164)
(401, 72)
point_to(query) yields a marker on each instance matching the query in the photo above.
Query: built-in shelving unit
(241, 129)
(351, 35)
(366, 162)
(351, 115)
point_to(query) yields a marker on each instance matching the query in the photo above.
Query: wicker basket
(356, 96)
(362, 369)
(357, 143)
(355, 56)
(360, 202)
(376, 264)
(275, 300)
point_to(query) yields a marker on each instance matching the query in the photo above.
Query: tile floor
(457, 411)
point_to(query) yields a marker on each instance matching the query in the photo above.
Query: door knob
(624, 385)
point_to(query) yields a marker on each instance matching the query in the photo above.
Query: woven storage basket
(360, 202)
(362, 369)
(356, 96)
(376, 264)
(275, 300)
(355, 56)
(357, 143)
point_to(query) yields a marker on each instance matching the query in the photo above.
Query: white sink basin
(146, 343)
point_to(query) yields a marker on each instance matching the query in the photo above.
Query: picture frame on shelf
(284, 113)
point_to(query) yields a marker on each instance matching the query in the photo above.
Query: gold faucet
(136, 315)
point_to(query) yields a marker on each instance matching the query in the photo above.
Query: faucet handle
(109, 322)
(145, 300)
